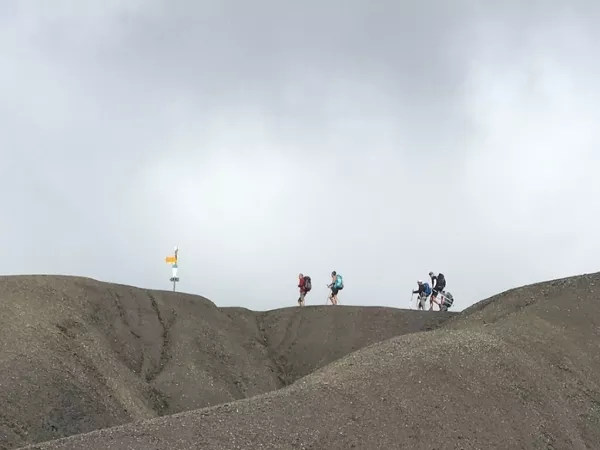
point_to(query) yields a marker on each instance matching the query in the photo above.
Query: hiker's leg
(439, 296)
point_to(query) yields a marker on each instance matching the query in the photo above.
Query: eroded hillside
(519, 371)
(79, 355)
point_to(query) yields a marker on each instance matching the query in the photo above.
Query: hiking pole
(411, 299)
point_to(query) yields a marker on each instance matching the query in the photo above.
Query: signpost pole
(173, 260)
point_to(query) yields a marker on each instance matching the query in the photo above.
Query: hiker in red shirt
(305, 285)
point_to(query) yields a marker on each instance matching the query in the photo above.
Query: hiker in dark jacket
(305, 285)
(438, 284)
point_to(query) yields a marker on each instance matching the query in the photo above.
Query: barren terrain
(517, 371)
(80, 355)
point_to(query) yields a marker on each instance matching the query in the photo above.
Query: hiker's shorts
(335, 290)
(436, 290)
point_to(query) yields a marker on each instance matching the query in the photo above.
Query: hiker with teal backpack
(337, 284)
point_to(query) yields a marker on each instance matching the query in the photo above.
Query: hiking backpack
(307, 284)
(448, 299)
(339, 282)
(426, 289)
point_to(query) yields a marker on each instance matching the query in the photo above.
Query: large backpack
(448, 300)
(307, 284)
(339, 282)
(441, 280)
(426, 288)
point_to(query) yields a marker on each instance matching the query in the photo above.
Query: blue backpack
(339, 282)
(427, 288)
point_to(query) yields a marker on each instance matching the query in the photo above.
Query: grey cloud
(380, 139)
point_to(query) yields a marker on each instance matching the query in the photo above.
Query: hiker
(446, 301)
(305, 285)
(337, 284)
(423, 291)
(438, 284)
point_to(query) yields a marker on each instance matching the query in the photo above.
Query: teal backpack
(339, 282)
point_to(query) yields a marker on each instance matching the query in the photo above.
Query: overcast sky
(381, 139)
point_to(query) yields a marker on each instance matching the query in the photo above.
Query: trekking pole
(411, 299)
(329, 296)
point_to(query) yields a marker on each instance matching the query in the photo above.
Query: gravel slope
(519, 371)
(79, 355)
